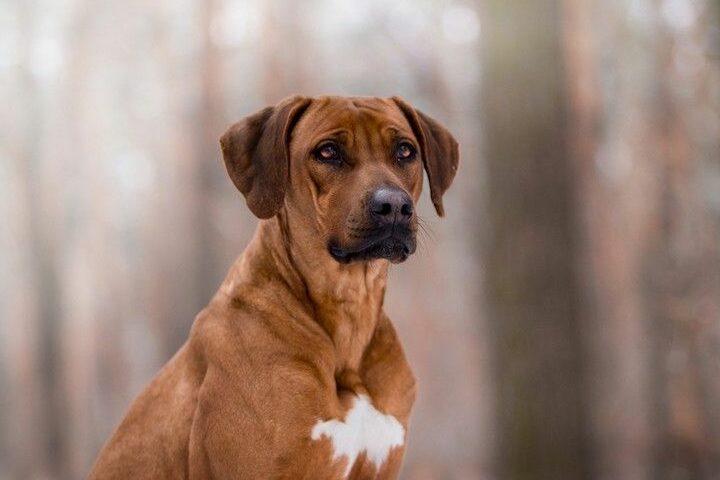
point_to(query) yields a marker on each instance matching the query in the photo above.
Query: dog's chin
(393, 249)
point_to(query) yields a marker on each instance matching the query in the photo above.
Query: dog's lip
(346, 255)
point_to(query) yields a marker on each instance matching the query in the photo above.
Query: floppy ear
(257, 157)
(440, 152)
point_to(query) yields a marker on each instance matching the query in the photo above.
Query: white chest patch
(364, 430)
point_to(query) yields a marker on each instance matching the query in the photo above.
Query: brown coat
(271, 380)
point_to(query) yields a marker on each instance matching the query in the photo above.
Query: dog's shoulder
(247, 347)
(261, 392)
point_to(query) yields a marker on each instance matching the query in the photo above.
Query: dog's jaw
(394, 248)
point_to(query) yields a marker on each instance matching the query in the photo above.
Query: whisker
(425, 235)
(425, 229)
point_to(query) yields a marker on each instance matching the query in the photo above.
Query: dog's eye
(328, 153)
(405, 152)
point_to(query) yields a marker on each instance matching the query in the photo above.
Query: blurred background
(563, 320)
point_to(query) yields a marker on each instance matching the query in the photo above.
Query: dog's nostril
(406, 209)
(383, 209)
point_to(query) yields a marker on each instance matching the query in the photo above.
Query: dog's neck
(346, 300)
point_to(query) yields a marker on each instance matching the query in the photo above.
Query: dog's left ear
(440, 151)
(257, 157)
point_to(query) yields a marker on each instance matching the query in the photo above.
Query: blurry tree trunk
(285, 70)
(210, 171)
(29, 296)
(613, 328)
(47, 429)
(532, 287)
(603, 262)
(680, 278)
(648, 250)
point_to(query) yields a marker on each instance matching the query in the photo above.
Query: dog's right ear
(439, 151)
(257, 156)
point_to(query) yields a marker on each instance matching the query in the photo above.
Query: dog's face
(359, 172)
(351, 167)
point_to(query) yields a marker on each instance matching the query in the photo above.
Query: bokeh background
(563, 320)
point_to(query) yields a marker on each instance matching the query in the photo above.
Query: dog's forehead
(353, 114)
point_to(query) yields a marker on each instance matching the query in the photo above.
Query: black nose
(391, 205)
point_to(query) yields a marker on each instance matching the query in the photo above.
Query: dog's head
(351, 167)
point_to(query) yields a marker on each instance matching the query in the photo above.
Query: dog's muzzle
(391, 234)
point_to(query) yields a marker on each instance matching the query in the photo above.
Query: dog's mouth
(393, 247)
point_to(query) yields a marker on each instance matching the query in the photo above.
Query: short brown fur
(292, 334)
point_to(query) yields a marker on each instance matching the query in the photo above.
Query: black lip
(390, 247)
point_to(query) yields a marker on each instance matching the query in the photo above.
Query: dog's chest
(363, 430)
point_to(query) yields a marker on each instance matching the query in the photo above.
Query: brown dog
(293, 370)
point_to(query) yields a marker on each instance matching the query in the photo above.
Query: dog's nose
(391, 205)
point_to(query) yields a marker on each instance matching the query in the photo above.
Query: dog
(293, 370)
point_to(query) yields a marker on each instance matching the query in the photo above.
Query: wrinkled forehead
(351, 120)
